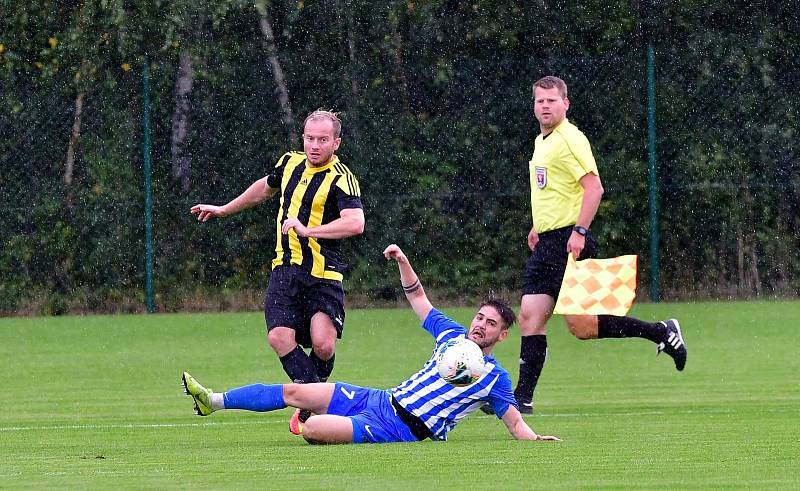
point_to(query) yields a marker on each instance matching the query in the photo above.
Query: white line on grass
(137, 425)
(654, 413)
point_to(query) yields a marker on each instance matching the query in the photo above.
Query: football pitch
(96, 402)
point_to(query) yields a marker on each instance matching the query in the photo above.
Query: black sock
(609, 326)
(299, 367)
(532, 354)
(323, 367)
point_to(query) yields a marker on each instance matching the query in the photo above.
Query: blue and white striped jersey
(440, 405)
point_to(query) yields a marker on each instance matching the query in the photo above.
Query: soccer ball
(460, 362)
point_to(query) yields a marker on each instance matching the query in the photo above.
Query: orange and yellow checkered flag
(598, 286)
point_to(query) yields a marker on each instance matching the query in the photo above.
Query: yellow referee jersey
(559, 161)
(315, 196)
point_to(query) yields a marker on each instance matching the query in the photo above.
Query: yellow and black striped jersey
(315, 196)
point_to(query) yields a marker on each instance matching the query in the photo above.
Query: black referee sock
(609, 326)
(299, 367)
(323, 367)
(532, 355)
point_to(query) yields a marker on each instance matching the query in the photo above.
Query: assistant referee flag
(598, 286)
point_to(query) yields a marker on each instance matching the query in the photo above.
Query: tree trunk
(277, 71)
(397, 59)
(752, 276)
(181, 121)
(782, 247)
(754, 269)
(740, 257)
(723, 278)
(348, 47)
(73, 139)
(347, 44)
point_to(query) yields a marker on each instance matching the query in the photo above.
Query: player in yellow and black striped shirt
(312, 196)
(320, 203)
(565, 194)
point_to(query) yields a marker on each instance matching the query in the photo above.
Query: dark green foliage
(438, 125)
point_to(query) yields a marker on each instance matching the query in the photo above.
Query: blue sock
(255, 397)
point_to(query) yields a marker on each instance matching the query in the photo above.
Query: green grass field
(96, 402)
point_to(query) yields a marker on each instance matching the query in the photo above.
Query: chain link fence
(72, 191)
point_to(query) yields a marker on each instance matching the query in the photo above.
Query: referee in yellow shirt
(565, 194)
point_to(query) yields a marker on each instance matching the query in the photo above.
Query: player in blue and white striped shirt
(424, 406)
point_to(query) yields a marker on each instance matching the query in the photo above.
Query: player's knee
(325, 348)
(281, 340)
(531, 324)
(291, 393)
(314, 430)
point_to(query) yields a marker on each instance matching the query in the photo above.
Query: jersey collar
(563, 121)
(333, 161)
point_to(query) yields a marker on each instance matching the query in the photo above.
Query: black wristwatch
(581, 230)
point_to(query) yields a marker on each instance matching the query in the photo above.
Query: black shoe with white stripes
(673, 344)
(526, 407)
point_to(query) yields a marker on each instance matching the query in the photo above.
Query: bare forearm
(258, 192)
(589, 206)
(409, 280)
(415, 293)
(521, 431)
(338, 229)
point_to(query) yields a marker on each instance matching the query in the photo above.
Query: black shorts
(294, 296)
(544, 270)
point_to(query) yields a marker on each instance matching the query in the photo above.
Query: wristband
(581, 230)
(412, 287)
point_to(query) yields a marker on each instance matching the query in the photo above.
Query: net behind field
(439, 138)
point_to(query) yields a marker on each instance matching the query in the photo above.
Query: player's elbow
(596, 188)
(358, 227)
(261, 190)
(353, 219)
(592, 185)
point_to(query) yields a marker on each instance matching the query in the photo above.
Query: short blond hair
(550, 82)
(330, 116)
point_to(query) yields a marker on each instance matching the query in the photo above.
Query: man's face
(549, 107)
(486, 328)
(319, 143)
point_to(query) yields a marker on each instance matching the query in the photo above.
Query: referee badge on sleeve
(541, 177)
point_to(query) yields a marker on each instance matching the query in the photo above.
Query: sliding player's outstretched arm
(519, 429)
(410, 282)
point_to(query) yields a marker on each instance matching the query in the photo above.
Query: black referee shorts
(544, 270)
(294, 296)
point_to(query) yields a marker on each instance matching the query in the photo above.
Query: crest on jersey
(541, 177)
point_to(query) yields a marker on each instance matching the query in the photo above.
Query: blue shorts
(374, 418)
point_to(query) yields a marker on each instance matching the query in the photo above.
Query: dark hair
(550, 82)
(502, 308)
